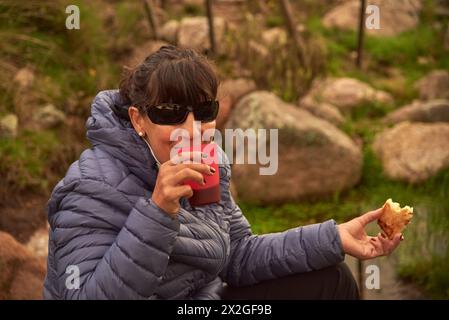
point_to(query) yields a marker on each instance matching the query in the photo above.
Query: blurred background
(363, 116)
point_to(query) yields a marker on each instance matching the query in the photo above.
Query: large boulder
(345, 93)
(435, 85)
(229, 92)
(413, 152)
(193, 33)
(314, 157)
(395, 16)
(322, 110)
(418, 111)
(21, 273)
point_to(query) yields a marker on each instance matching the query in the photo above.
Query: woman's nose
(191, 126)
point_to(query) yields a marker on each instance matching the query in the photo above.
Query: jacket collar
(109, 129)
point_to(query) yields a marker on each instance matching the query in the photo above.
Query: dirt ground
(24, 217)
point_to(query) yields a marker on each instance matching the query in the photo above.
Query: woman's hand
(169, 183)
(358, 244)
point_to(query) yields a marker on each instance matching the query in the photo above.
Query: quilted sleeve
(255, 258)
(126, 263)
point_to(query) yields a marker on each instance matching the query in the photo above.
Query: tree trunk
(210, 19)
(291, 27)
(152, 19)
(361, 34)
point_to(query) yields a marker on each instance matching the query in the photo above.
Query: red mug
(210, 191)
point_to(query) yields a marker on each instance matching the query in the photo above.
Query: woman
(122, 227)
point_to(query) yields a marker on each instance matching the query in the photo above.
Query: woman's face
(158, 136)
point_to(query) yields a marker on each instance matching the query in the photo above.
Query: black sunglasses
(173, 113)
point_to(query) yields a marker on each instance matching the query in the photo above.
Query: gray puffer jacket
(105, 225)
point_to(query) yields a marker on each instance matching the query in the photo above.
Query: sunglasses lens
(167, 114)
(206, 112)
(172, 114)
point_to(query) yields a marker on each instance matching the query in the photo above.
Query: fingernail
(212, 169)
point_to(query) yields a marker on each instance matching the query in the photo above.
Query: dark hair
(170, 74)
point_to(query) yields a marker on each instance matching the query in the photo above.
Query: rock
(431, 111)
(435, 85)
(169, 31)
(229, 92)
(394, 82)
(22, 218)
(257, 49)
(38, 243)
(49, 117)
(141, 52)
(314, 159)
(395, 16)
(22, 274)
(322, 110)
(24, 78)
(424, 60)
(194, 33)
(413, 152)
(274, 37)
(8, 126)
(346, 93)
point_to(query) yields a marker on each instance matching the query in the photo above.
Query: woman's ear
(136, 119)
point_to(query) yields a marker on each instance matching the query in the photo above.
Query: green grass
(422, 257)
(73, 60)
(274, 21)
(435, 281)
(69, 65)
(192, 9)
(24, 160)
(381, 54)
(285, 77)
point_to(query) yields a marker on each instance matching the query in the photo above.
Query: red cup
(210, 191)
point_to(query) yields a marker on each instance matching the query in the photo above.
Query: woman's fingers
(186, 157)
(186, 174)
(200, 167)
(190, 160)
(370, 216)
(389, 245)
(183, 191)
(378, 246)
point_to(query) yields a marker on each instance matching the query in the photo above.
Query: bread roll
(394, 218)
